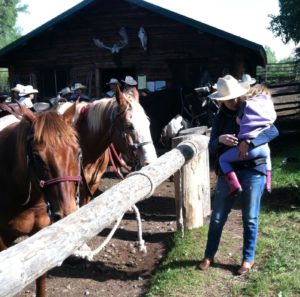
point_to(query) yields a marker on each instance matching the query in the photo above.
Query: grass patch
(277, 270)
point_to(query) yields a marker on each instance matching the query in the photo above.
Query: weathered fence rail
(286, 98)
(24, 262)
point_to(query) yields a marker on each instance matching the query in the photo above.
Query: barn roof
(154, 8)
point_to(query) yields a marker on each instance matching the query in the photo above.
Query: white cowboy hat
(112, 81)
(17, 88)
(129, 81)
(246, 78)
(78, 86)
(229, 88)
(28, 90)
(65, 91)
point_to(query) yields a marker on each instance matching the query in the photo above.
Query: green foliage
(4, 86)
(271, 57)
(287, 25)
(9, 10)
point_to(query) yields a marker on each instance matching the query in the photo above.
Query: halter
(133, 146)
(43, 184)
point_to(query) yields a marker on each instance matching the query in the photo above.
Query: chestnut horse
(121, 121)
(39, 175)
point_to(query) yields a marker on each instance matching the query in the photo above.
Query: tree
(287, 24)
(271, 57)
(9, 10)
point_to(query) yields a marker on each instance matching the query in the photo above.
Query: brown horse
(39, 175)
(121, 121)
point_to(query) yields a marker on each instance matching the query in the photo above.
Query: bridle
(134, 146)
(33, 164)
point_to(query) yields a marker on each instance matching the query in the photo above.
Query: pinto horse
(162, 106)
(39, 175)
(121, 121)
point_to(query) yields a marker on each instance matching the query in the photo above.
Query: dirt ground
(120, 270)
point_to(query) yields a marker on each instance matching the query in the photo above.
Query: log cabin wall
(176, 53)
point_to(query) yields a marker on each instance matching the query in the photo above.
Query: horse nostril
(56, 217)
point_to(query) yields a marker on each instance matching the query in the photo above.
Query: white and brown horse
(121, 121)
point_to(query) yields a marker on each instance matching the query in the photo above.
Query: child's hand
(243, 150)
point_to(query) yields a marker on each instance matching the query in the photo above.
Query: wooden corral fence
(24, 262)
(278, 72)
(286, 97)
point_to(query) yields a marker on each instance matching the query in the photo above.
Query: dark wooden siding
(171, 45)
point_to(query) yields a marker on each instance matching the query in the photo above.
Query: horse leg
(3, 246)
(40, 286)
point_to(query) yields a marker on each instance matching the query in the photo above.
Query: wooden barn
(97, 40)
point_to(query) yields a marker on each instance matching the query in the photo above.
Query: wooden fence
(286, 97)
(279, 72)
(26, 261)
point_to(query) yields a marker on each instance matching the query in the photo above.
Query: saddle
(10, 108)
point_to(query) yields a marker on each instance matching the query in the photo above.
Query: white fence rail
(23, 263)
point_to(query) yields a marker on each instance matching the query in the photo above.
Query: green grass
(277, 269)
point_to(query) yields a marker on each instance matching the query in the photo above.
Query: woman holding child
(244, 166)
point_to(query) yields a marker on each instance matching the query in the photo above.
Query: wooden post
(192, 185)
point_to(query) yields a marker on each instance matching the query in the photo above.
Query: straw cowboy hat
(246, 78)
(229, 88)
(113, 81)
(78, 86)
(65, 91)
(129, 81)
(17, 88)
(28, 90)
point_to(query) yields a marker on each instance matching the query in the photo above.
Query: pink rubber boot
(233, 183)
(268, 181)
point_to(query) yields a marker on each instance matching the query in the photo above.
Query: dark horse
(162, 106)
(39, 175)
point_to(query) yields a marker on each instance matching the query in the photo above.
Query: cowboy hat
(112, 81)
(78, 86)
(129, 81)
(229, 88)
(246, 78)
(17, 88)
(65, 91)
(28, 90)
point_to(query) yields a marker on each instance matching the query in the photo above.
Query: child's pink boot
(233, 183)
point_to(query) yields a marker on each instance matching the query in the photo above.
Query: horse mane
(100, 109)
(49, 128)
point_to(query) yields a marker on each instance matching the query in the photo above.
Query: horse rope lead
(85, 251)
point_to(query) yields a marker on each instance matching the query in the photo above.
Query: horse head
(131, 132)
(53, 159)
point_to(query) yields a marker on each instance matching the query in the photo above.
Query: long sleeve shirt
(225, 123)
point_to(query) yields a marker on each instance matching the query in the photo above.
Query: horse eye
(129, 127)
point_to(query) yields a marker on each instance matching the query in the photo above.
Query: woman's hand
(228, 139)
(243, 150)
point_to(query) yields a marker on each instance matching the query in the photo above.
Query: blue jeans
(253, 184)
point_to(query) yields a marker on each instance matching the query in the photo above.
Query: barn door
(51, 81)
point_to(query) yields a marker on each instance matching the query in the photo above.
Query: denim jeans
(253, 184)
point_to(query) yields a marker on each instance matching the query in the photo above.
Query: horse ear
(69, 114)
(27, 113)
(121, 99)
